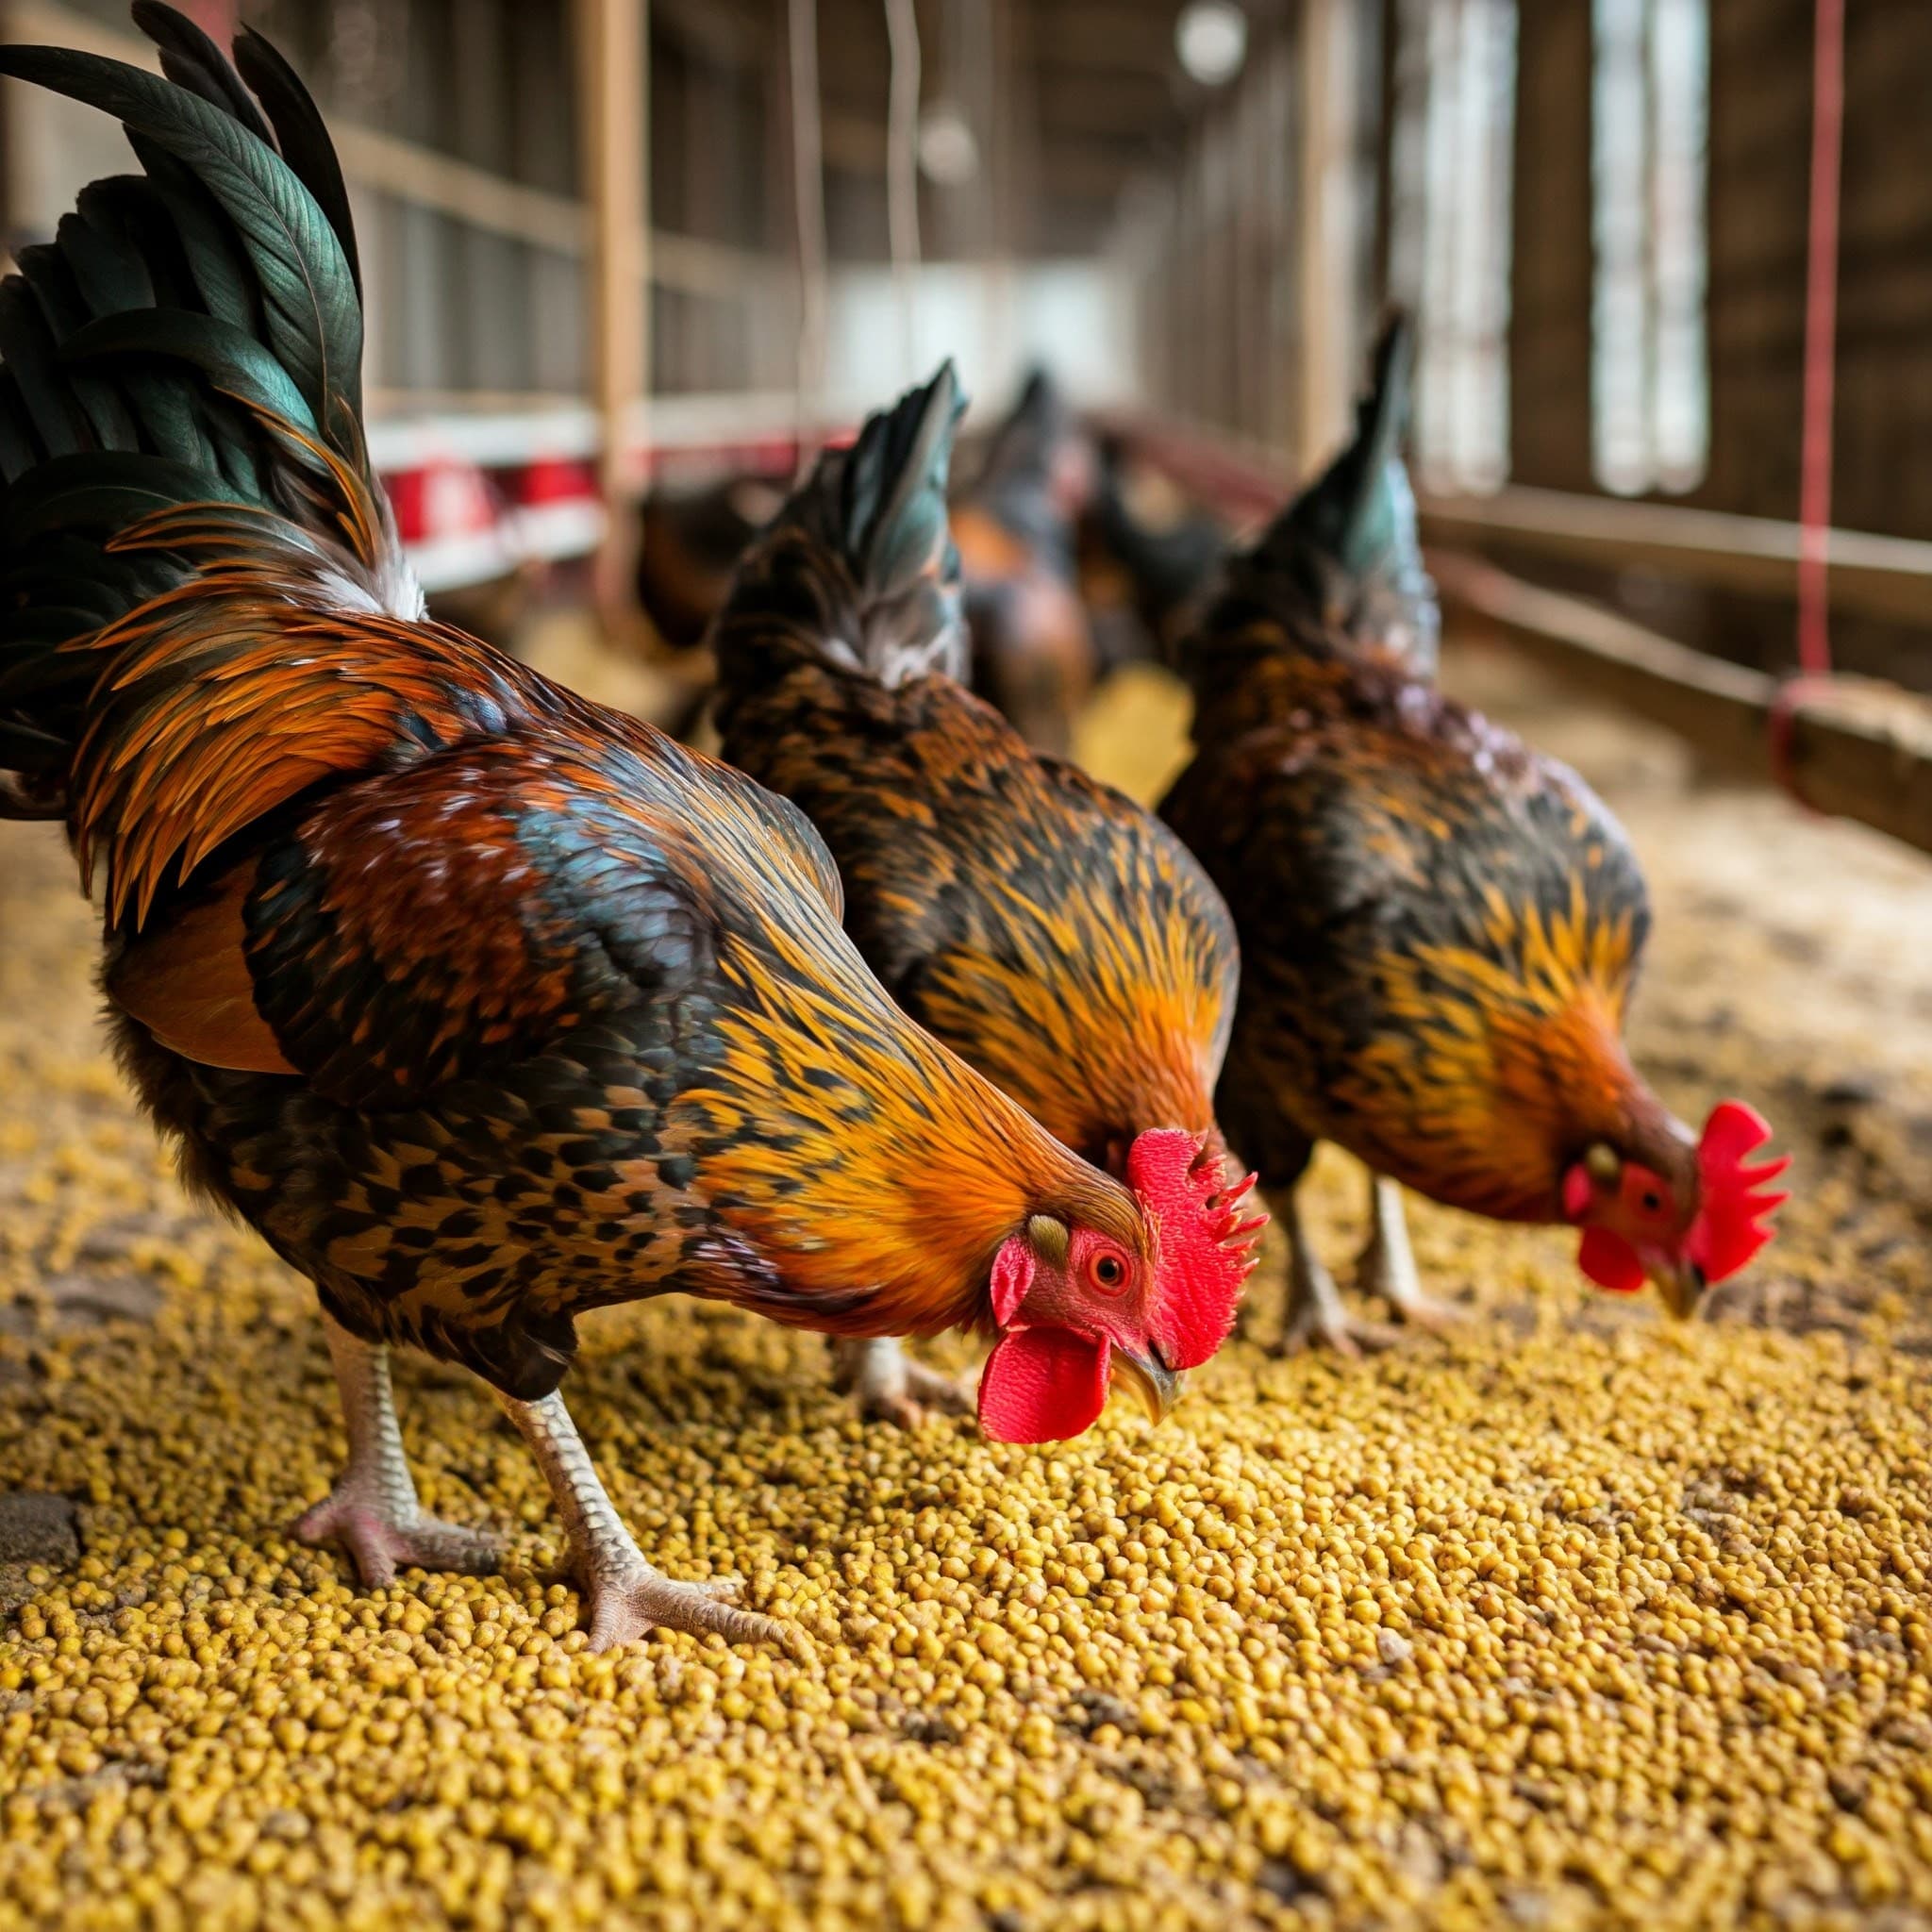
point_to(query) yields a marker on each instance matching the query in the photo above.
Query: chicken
(1147, 558)
(689, 546)
(1045, 927)
(688, 543)
(1033, 651)
(486, 1006)
(1441, 928)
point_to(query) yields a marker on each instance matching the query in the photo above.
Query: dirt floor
(1576, 1619)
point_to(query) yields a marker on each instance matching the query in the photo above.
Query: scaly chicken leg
(1315, 1312)
(1388, 1268)
(628, 1598)
(372, 1510)
(889, 1386)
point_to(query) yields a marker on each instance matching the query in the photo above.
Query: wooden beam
(614, 93)
(379, 163)
(1853, 747)
(1875, 576)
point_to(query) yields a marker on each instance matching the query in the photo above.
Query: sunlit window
(1650, 394)
(1450, 229)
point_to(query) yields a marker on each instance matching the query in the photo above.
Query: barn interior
(1571, 1615)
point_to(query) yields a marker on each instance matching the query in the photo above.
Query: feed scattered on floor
(1571, 1619)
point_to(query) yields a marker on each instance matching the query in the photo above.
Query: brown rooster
(1440, 929)
(1042, 925)
(486, 1006)
(1033, 649)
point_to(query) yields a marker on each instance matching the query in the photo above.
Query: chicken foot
(889, 1386)
(1315, 1312)
(373, 1510)
(1388, 1268)
(628, 1597)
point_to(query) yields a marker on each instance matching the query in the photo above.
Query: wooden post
(1324, 367)
(613, 49)
(1552, 262)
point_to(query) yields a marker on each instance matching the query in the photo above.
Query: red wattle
(1611, 1262)
(1043, 1385)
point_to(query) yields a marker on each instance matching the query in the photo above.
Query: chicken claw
(630, 1600)
(890, 1387)
(381, 1539)
(628, 1597)
(372, 1510)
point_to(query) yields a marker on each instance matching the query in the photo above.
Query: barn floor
(1571, 1620)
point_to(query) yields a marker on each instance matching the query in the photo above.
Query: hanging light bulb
(1211, 38)
(948, 149)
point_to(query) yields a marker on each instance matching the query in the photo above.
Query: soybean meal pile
(1570, 1619)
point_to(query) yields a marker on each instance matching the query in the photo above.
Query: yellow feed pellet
(1575, 1619)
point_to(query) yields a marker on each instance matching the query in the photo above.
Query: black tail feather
(1017, 483)
(868, 542)
(304, 137)
(191, 336)
(190, 59)
(312, 315)
(1349, 541)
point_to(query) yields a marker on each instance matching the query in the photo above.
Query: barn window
(1450, 229)
(1650, 385)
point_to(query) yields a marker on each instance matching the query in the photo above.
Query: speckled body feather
(565, 1018)
(1052, 932)
(1439, 928)
(486, 1006)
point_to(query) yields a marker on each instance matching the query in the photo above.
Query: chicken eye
(1108, 1272)
(1653, 1201)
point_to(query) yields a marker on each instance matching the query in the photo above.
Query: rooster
(486, 1006)
(1033, 649)
(1441, 928)
(1045, 927)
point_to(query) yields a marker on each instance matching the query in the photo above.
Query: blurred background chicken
(1441, 930)
(1147, 555)
(486, 1006)
(1044, 926)
(1015, 524)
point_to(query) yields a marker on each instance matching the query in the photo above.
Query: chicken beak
(1157, 1386)
(1679, 1282)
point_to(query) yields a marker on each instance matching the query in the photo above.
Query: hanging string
(902, 175)
(808, 188)
(1821, 359)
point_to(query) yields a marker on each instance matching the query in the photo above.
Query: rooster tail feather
(1024, 446)
(191, 337)
(1350, 538)
(1019, 483)
(858, 569)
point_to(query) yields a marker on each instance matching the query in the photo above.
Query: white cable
(902, 175)
(808, 187)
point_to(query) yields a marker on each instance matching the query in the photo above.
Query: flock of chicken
(488, 1006)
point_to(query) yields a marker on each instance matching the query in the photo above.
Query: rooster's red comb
(1734, 1203)
(1206, 1248)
